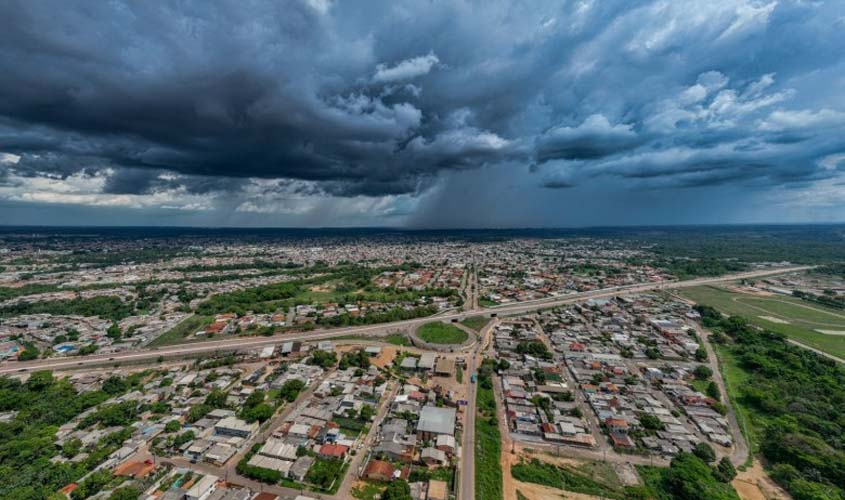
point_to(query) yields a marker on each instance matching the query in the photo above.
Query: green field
(475, 322)
(488, 447)
(183, 331)
(590, 478)
(442, 333)
(789, 316)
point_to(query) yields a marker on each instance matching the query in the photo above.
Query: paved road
(372, 330)
(363, 447)
(467, 485)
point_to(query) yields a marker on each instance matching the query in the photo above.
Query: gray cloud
(337, 101)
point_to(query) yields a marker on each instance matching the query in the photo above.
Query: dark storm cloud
(557, 184)
(337, 100)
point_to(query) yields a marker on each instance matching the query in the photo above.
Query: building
(337, 451)
(435, 421)
(427, 361)
(235, 427)
(433, 456)
(445, 443)
(202, 489)
(301, 467)
(437, 490)
(379, 470)
(445, 367)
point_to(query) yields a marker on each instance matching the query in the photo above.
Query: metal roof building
(434, 421)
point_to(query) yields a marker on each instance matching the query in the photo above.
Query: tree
(689, 478)
(713, 391)
(72, 447)
(254, 399)
(724, 471)
(703, 372)
(92, 485)
(367, 412)
(323, 359)
(397, 490)
(115, 385)
(217, 399)
(705, 452)
(701, 355)
(125, 493)
(28, 354)
(183, 438)
(172, 426)
(259, 412)
(39, 381)
(651, 422)
(291, 389)
(114, 332)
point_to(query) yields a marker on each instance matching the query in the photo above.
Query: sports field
(811, 324)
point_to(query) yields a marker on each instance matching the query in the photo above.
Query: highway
(240, 343)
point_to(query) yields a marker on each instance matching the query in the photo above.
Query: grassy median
(488, 444)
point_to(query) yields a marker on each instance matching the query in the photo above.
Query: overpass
(242, 343)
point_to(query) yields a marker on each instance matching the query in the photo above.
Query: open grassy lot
(591, 478)
(735, 378)
(488, 448)
(183, 331)
(475, 322)
(442, 333)
(789, 316)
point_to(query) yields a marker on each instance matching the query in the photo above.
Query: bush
(705, 452)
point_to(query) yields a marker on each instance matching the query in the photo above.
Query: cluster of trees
(687, 478)
(691, 268)
(323, 359)
(290, 390)
(255, 408)
(394, 314)
(324, 473)
(397, 490)
(215, 399)
(828, 299)
(118, 414)
(7, 293)
(26, 442)
(108, 307)
(795, 399)
(252, 299)
(534, 348)
(357, 358)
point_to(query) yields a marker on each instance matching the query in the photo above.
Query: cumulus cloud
(406, 70)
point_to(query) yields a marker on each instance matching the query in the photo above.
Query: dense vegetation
(394, 314)
(488, 440)
(794, 398)
(687, 478)
(253, 299)
(43, 404)
(534, 348)
(108, 307)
